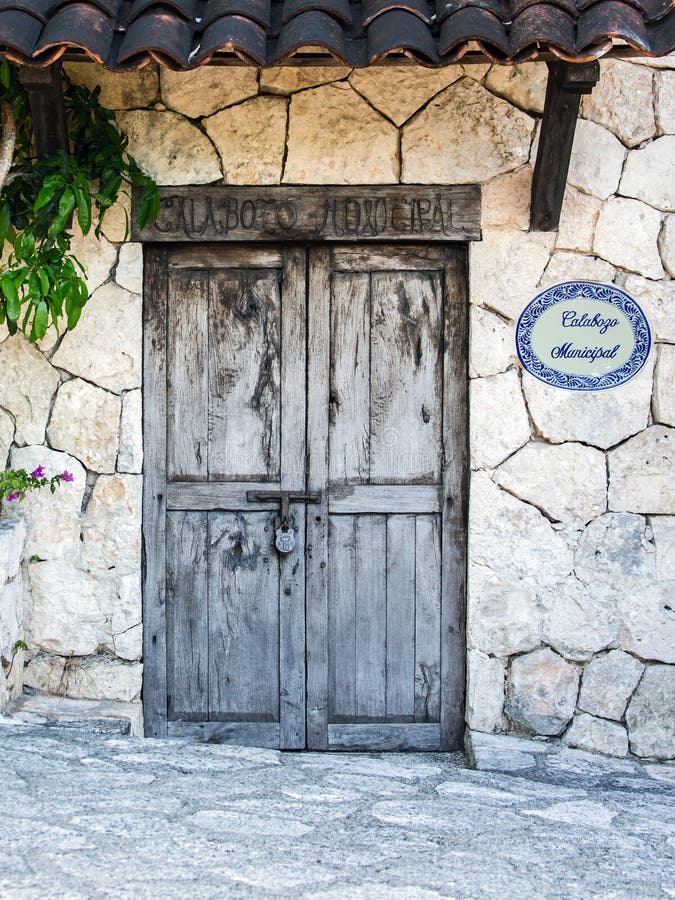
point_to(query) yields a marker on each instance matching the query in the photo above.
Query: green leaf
(66, 207)
(41, 320)
(83, 199)
(45, 196)
(5, 74)
(11, 296)
(5, 219)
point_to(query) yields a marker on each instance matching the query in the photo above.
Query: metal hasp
(284, 497)
(567, 82)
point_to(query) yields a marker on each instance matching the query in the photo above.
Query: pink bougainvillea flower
(13, 497)
(38, 473)
(67, 476)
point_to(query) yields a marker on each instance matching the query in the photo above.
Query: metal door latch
(285, 533)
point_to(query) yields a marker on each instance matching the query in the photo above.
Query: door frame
(454, 509)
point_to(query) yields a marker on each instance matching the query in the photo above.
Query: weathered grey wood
(566, 84)
(384, 737)
(318, 343)
(378, 498)
(342, 619)
(216, 495)
(405, 380)
(243, 734)
(187, 375)
(45, 96)
(427, 619)
(244, 401)
(400, 258)
(187, 616)
(371, 612)
(287, 213)
(243, 618)
(455, 494)
(400, 619)
(349, 439)
(292, 725)
(155, 293)
(215, 256)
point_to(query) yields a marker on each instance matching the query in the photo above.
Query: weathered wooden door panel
(341, 371)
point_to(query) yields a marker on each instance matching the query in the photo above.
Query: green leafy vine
(41, 280)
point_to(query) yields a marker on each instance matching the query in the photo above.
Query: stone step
(85, 716)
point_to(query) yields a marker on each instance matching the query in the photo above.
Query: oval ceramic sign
(583, 336)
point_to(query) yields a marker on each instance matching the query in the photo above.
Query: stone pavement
(89, 815)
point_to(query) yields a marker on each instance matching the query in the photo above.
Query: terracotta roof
(184, 34)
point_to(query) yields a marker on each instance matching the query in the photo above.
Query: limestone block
(202, 92)
(506, 199)
(125, 623)
(169, 148)
(52, 520)
(97, 255)
(484, 691)
(117, 220)
(524, 85)
(601, 418)
(648, 623)
(649, 174)
(130, 457)
(6, 436)
(542, 692)
(129, 272)
(289, 79)
(12, 541)
(597, 736)
(663, 530)
(250, 139)
(579, 619)
(492, 347)
(597, 160)
(667, 245)
(398, 92)
(567, 481)
(664, 101)
(85, 422)
(503, 616)
(608, 682)
(92, 678)
(494, 280)
(651, 714)
(111, 527)
(657, 300)
(577, 221)
(512, 539)
(498, 424)
(66, 608)
(622, 101)
(658, 62)
(641, 473)
(89, 352)
(27, 384)
(627, 235)
(663, 405)
(615, 550)
(465, 116)
(335, 137)
(119, 90)
(565, 266)
(12, 614)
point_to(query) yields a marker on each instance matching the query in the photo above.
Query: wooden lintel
(45, 95)
(567, 82)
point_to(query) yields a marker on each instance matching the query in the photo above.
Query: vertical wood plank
(187, 375)
(243, 619)
(427, 619)
(455, 498)
(371, 616)
(405, 384)
(400, 621)
(349, 439)
(187, 616)
(155, 292)
(342, 619)
(317, 515)
(292, 723)
(244, 373)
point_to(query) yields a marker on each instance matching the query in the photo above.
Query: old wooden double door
(334, 370)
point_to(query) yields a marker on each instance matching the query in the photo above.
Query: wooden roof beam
(45, 95)
(567, 82)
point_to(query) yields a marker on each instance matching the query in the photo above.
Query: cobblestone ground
(100, 815)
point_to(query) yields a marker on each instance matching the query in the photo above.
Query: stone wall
(12, 611)
(571, 629)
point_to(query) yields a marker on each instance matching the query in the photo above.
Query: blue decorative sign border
(571, 290)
